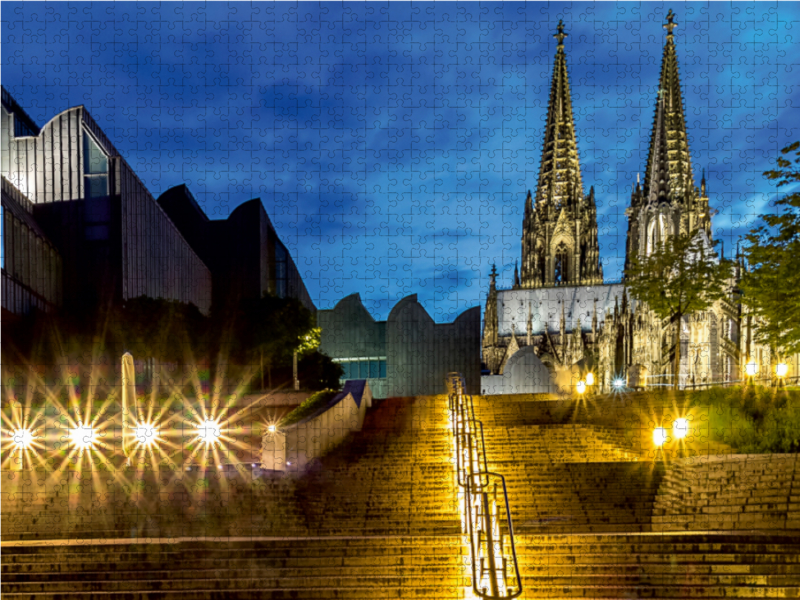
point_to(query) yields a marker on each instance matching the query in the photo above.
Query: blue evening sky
(392, 144)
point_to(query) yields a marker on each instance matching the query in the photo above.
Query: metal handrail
(482, 523)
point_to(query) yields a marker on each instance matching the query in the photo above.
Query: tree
(319, 372)
(272, 329)
(770, 286)
(160, 330)
(678, 278)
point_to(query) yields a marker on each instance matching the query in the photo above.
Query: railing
(491, 537)
(769, 380)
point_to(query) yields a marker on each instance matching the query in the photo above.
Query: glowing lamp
(619, 383)
(145, 434)
(781, 369)
(272, 428)
(23, 438)
(581, 386)
(208, 431)
(680, 428)
(659, 436)
(82, 437)
(590, 379)
(751, 368)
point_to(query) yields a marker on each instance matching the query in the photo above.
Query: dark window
(374, 369)
(281, 269)
(382, 372)
(561, 270)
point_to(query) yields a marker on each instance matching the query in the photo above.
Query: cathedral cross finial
(670, 24)
(560, 35)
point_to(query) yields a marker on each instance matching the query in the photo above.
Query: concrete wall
(730, 492)
(524, 373)
(420, 353)
(349, 331)
(292, 448)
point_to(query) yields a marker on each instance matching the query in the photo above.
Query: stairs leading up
(314, 568)
(660, 566)
(376, 518)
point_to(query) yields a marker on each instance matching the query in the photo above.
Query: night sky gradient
(393, 144)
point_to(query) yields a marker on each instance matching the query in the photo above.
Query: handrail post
(487, 523)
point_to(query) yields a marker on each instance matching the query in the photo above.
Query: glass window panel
(374, 369)
(96, 187)
(383, 369)
(94, 161)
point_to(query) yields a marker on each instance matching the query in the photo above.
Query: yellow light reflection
(659, 436)
(209, 431)
(82, 437)
(680, 428)
(146, 434)
(23, 438)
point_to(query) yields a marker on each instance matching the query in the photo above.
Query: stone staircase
(660, 566)
(376, 518)
(734, 492)
(583, 487)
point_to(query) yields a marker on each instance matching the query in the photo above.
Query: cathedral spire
(668, 176)
(559, 170)
(559, 239)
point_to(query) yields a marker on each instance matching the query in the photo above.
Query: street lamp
(781, 369)
(659, 436)
(590, 379)
(680, 428)
(751, 368)
(580, 387)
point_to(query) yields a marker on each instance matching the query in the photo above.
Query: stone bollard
(273, 451)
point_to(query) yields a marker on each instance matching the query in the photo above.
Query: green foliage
(308, 407)
(679, 277)
(773, 253)
(752, 419)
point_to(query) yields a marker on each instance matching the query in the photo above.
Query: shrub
(308, 407)
(752, 419)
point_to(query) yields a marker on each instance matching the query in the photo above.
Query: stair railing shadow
(491, 534)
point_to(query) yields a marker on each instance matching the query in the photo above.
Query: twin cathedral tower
(559, 286)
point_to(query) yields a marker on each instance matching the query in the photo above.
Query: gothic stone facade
(558, 303)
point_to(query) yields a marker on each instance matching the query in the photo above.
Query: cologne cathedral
(560, 316)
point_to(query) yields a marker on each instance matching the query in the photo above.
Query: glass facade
(371, 368)
(95, 169)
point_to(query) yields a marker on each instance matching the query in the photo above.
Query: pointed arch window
(657, 232)
(561, 265)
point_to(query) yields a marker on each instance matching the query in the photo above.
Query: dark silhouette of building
(80, 229)
(246, 257)
(115, 242)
